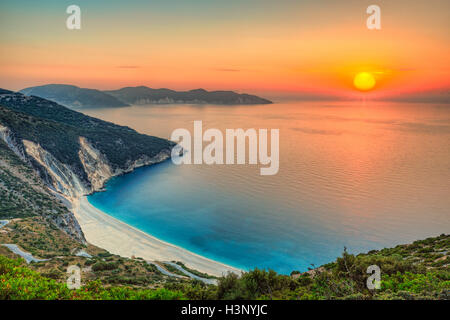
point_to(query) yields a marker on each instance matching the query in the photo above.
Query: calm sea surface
(360, 175)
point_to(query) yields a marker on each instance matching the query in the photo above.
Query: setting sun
(364, 81)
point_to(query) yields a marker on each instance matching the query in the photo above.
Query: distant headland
(78, 98)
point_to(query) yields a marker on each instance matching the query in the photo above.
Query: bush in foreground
(18, 282)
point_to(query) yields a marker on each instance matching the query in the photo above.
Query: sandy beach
(119, 238)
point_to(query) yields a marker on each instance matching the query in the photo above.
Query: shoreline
(119, 238)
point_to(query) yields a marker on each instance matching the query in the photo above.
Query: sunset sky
(282, 47)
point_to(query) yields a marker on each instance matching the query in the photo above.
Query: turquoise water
(363, 176)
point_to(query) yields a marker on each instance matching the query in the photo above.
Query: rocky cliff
(22, 182)
(73, 154)
(63, 180)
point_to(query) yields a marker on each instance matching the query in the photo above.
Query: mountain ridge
(146, 95)
(74, 97)
(78, 98)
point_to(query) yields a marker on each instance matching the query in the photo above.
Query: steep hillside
(74, 97)
(73, 153)
(37, 222)
(22, 195)
(49, 155)
(43, 240)
(145, 95)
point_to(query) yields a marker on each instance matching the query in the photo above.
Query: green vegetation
(405, 274)
(40, 237)
(43, 239)
(408, 275)
(18, 282)
(102, 266)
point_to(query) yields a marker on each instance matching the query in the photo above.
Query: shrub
(18, 282)
(102, 266)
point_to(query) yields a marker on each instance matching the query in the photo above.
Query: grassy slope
(44, 240)
(20, 282)
(416, 271)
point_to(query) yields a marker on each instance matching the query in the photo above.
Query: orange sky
(273, 47)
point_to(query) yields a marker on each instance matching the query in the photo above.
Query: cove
(361, 176)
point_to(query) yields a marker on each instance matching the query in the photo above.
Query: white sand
(119, 238)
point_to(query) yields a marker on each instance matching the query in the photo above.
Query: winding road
(191, 275)
(164, 270)
(26, 255)
(3, 223)
(15, 249)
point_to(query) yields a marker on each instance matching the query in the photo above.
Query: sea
(359, 175)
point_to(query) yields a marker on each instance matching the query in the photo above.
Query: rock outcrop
(64, 180)
(8, 136)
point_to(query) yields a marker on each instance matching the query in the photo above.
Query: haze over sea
(364, 175)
